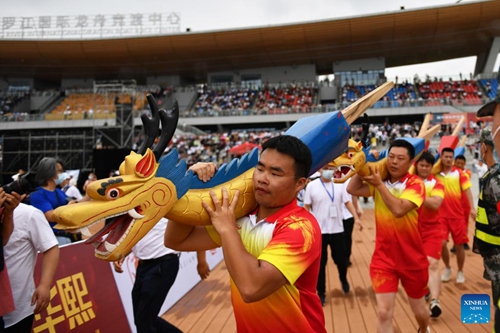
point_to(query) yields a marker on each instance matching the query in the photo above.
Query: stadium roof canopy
(403, 38)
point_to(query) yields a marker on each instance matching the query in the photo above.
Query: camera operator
(47, 197)
(32, 235)
(8, 202)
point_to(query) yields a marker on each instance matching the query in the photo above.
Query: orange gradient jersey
(468, 173)
(455, 182)
(290, 240)
(428, 219)
(465, 200)
(398, 244)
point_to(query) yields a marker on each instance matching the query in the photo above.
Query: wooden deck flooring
(207, 307)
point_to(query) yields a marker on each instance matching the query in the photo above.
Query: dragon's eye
(113, 194)
(350, 154)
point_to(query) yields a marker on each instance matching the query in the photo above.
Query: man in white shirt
(32, 234)
(325, 200)
(480, 168)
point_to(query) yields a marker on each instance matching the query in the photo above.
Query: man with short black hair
(460, 162)
(456, 183)
(273, 254)
(430, 226)
(399, 253)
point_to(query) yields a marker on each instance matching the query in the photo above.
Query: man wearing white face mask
(325, 200)
(487, 233)
(48, 196)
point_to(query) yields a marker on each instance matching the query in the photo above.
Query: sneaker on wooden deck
(446, 275)
(460, 277)
(435, 308)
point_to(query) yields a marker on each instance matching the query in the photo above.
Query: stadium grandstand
(81, 100)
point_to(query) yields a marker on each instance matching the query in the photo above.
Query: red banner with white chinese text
(83, 297)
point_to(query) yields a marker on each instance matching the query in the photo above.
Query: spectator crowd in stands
(252, 99)
(8, 102)
(291, 98)
(439, 92)
(431, 92)
(223, 101)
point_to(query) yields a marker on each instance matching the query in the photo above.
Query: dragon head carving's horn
(462, 141)
(168, 125)
(428, 134)
(150, 126)
(425, 125)
(458, 128)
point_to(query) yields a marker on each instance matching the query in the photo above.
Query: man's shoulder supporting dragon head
(358, 160)
(352, 161)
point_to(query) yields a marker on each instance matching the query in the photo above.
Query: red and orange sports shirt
(290, 240)
(428, 219)
(455, 182)
(468, 173)
(465, 201)
(398, 244)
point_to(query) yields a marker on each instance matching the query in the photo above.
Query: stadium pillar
(486, 62)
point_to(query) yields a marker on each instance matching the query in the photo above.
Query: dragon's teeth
(133, 213)
(85, 231)
(109, 247)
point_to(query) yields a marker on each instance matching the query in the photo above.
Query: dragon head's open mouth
(112, 234)
(341, 172)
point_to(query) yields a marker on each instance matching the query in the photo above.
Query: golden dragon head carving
(133, 202)
(357, 160)
(151, 186)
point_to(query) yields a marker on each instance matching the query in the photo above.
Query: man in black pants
(156, 272)
(348, 221)
(325, 200)
(155, 275)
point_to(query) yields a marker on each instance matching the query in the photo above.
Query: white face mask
(327, 174)
(60, 178)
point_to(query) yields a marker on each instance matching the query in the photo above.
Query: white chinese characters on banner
(89, 26)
